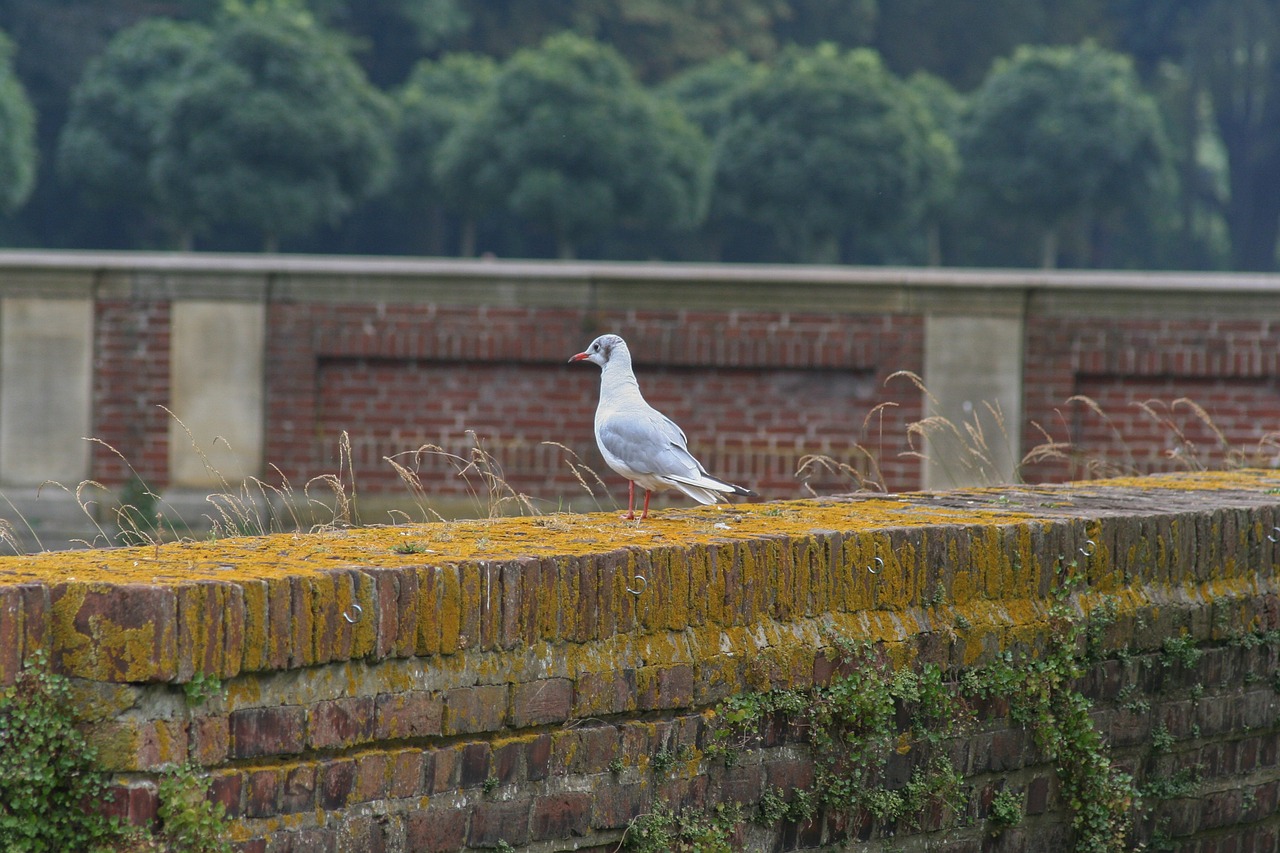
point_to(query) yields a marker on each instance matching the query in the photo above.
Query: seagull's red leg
(631, 499)
(645, 514)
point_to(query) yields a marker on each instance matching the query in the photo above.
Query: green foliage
(17, 135)
(688, 831)
(1059, 131)
(569, 141)
(1181, 783)
(437, 97)
(1162, 740)
(852, 728)
(1180, 650)
(273, 126)
(109, 141)
(1042, 696)
(190, 821)
(829, 143)
(706, 92)
(1006, 810)
(47, 771)
(201, 688)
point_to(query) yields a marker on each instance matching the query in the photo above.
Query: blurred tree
(570, 142)
(1057, 132)
(109, 141)
(438, 97)
(661, 37)
(706, 93)
(829, 145)
(959, 39)
(17, 135)
(1235, 47)
(55, 39)
(657, 37)
(392, 36)
(946, 106)
(848, 23)
(273, 126)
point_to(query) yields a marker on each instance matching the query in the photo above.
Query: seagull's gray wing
(648, 443)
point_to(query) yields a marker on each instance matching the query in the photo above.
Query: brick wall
(755, 391)
(761, 368)
(130, 383)
(500, 683)
(1133, 372)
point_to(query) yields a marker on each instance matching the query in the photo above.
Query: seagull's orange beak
(582, 356)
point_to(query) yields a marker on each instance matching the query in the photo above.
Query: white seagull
(638, 441)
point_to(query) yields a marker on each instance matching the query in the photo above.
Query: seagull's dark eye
(595, 348)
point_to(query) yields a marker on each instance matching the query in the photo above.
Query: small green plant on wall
(852, 730)
(691, 831)
(872, 714)
(48, 773)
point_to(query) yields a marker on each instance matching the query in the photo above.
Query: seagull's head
(601, 350)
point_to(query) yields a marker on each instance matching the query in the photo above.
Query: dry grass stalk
(479, 470)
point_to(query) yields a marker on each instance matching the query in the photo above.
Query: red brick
(259, 732)
(138, 805)
(482, 708)
(604, 692)
(474, 764)
(372, 777)
(561, 816)
(11, 618)
(262, 795)
(789, 774)
(406, 774)
(416, 713)
(337, 780)
(341, 722)
(442, 771)
(210, 739)
(615, 806)
(538, 758)
(118, 632)
(534, 703)
(298, 793)
(225, 789)
(440, 830)
(492, 822)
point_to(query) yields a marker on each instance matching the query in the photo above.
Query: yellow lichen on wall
(986, 556)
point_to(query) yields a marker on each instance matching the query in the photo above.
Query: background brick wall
(130, 383)
(760, 367)
(1134, 370)
(755, 392)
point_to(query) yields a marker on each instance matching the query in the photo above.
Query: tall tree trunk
(1049, 249)
(433, 241)
(1253, 212)
(1237, 44)
(467, 239)
(933, 243)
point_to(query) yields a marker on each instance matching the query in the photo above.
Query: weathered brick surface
(540, 694)
(267, 731)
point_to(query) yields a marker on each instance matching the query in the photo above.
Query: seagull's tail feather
(706, 489)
